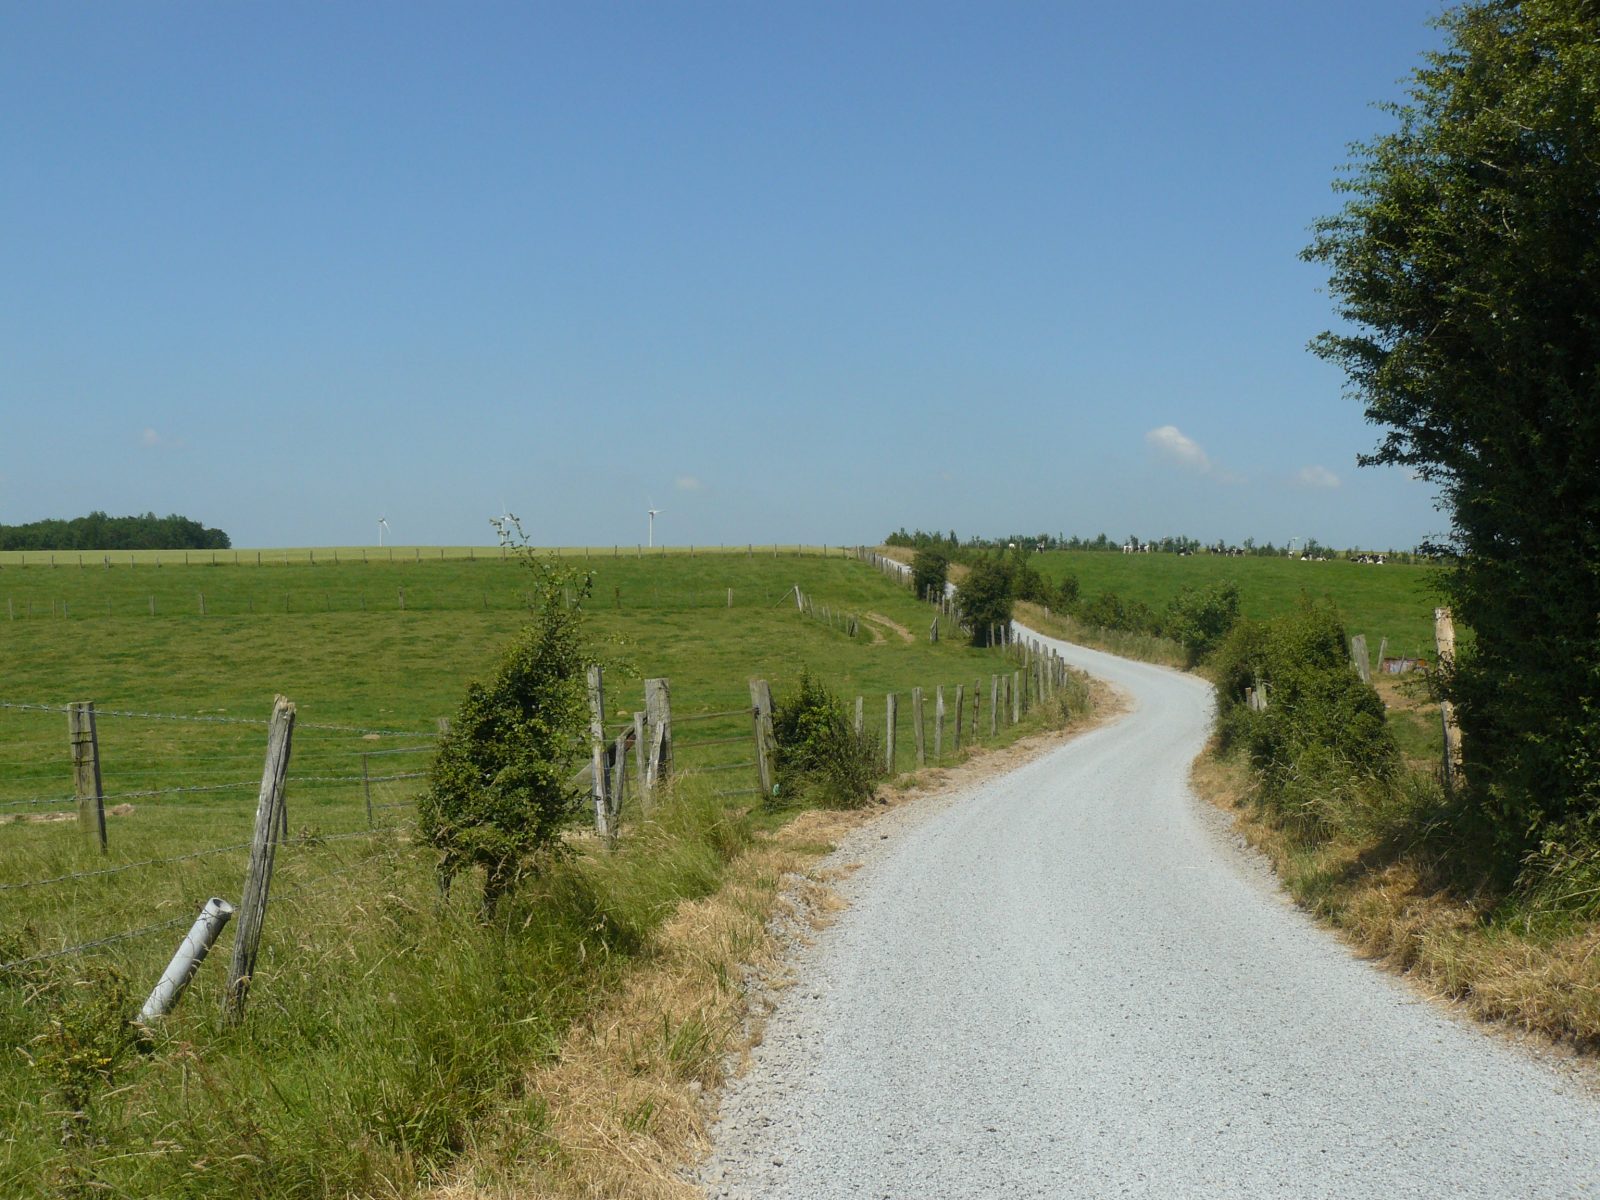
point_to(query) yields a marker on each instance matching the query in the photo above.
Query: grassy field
(381, 1023)
(1392, 601)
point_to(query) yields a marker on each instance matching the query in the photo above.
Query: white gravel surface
(1070, 981)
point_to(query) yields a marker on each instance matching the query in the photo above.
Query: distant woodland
(100, 532)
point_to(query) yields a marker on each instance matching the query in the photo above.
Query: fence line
(205, 720)
(124, 936)
(118, 870)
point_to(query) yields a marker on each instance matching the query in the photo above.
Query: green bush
(985, 598)
(501, 787)
(1199, 618)
(929, 570)
(1323, 736)
(820, 755)
(1110, 611)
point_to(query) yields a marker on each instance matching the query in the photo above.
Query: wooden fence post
(761, 718)
(658, 716)
(1016, 696)
(933, 631)
(86, 770)
(891, 708)
(916, 725)
(1383, 651)
(618, 788)
(994, 705)
(263, 847)
(961, 702)
(366, 789)
(977, 710)
(861, 723)
(597, 750)
(638, 761)
(1358, 656)
(938, 723)
(1444, 640)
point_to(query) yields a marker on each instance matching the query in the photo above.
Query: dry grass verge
(624, 1109)
(1389, 904)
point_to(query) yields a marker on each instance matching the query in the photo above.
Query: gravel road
(1071, 981)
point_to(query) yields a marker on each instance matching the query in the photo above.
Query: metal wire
(711, 716)
(728, 767)
(133, 866)
(105, 941)
(356, 778)
(727, 741)
(190, 717)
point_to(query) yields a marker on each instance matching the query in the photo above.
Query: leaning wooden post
(597, 751)
(86, 770)
(761, 720)
(618, 788)
(639, 772)
(938, 723)
(1444, 640)
(263, 848)
(658, 716)
(994, 705)
(916, 725)
(891, 709)
(961, 703)
(1358, 656)
(1016, 696)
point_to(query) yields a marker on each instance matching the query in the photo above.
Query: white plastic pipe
(191, 953)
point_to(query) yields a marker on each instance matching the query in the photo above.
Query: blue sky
(786, 272)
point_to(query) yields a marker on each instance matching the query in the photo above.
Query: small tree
(985, 598)
(929, 570)
(501, 786)
(1199, 618)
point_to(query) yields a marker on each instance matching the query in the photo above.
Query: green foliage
(985, 598)
(501, 787)
(1110, 611)
(1199, 618)
(100, 532)
(1323, 735)
(929, 570)
(820, 755)
(1466, 258)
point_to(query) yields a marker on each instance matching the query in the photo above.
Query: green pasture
(344, 1004)
(345, 555)
(1392, 601)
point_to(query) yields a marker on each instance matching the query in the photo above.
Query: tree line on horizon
(97, 531)
(970, 549)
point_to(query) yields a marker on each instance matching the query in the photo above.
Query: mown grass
(1394, 601)
(383, 1023)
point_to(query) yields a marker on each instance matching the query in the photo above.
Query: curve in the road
(1067, 983)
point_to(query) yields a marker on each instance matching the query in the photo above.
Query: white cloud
(150, 438)
(688, 483)
(1316, 477)
(1175, 446)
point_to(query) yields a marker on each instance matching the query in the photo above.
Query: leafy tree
(1466, 260)
(1199, 618)
(929, 570)
(501, 787)
(985, 597)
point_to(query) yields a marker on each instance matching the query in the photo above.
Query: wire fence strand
(208, 720)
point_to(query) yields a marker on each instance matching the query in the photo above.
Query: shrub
(1199, 618)
(1323, 734)
(985, 598)
(929, 570)
(501, 784)
(820, 755)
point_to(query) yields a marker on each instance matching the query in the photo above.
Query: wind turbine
(653, 512)
(383, 524)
